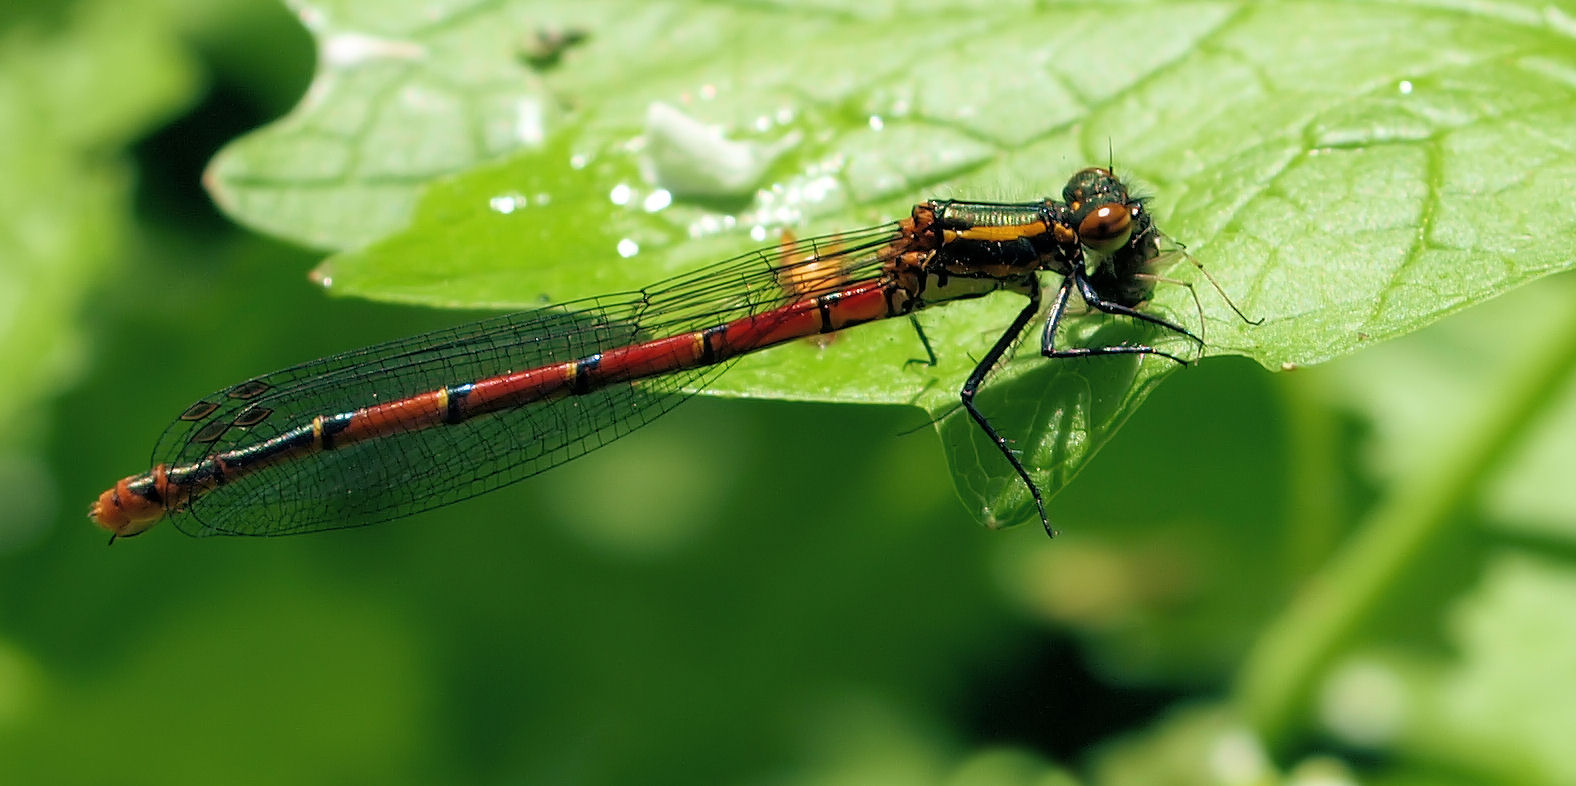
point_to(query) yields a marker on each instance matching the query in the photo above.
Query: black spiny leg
(971, 386)
(1094, 299)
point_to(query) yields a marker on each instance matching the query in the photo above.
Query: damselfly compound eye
(1106, 228)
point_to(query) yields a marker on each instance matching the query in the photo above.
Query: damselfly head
(1112, 224)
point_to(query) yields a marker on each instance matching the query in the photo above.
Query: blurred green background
(1354, 573)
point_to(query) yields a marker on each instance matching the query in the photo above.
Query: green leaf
(1509, 695)
(1407, 388)
(1403, 539)
(1204, 745)
(861, 740)
(1501, 705)
(1349, 172)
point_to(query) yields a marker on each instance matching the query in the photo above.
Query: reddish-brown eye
(1107, 228)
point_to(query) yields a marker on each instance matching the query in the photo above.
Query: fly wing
(408, 470)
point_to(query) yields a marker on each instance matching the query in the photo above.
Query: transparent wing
(405, 472)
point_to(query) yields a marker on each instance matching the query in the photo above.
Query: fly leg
(1093, 298)
(971, 386)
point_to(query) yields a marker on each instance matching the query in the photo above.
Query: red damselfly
(402, 427)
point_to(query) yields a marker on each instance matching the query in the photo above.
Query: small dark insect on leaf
(545, 48)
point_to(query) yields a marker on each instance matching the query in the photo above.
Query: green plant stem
(1285, 666)
(1318, 509)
